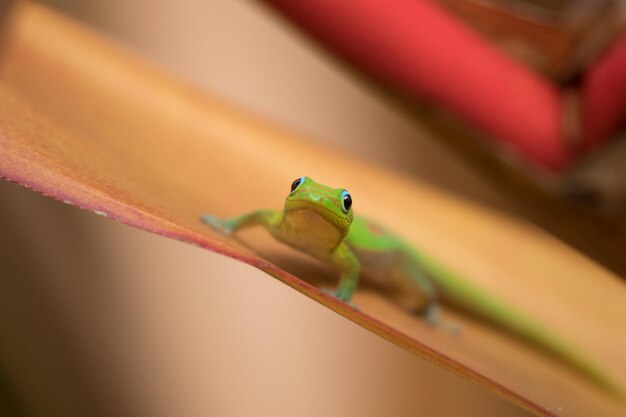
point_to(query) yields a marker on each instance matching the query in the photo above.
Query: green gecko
(319, 220)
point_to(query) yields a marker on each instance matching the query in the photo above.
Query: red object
(604, 95)
(416, 47)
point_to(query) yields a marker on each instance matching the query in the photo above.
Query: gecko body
(319, 220)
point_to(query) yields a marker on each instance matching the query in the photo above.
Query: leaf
(86, 123)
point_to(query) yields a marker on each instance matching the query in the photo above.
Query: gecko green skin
(319, 220)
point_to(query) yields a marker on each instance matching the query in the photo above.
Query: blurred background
(119, 322)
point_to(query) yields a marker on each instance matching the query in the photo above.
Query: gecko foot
(338, 296)
(223, 226)
(455, 329)
(433, 319)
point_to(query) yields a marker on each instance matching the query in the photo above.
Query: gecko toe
(216, 224)
(339, 297)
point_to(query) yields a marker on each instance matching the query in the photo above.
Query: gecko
(319, 220)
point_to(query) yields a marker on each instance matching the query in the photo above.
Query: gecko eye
(346, 201)
(296, 184)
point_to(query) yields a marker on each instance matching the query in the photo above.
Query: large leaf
(86, 123)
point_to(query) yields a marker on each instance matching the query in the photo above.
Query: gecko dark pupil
(295, 184)
(347, 202)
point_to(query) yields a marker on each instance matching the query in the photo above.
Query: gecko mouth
(302, 204)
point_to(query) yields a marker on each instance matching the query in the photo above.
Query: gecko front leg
(266, 218)
(349, 268)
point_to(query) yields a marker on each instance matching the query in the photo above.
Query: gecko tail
(477, 301)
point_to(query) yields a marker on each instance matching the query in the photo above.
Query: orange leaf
(83, 122)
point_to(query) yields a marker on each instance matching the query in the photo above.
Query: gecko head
(319, 206)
